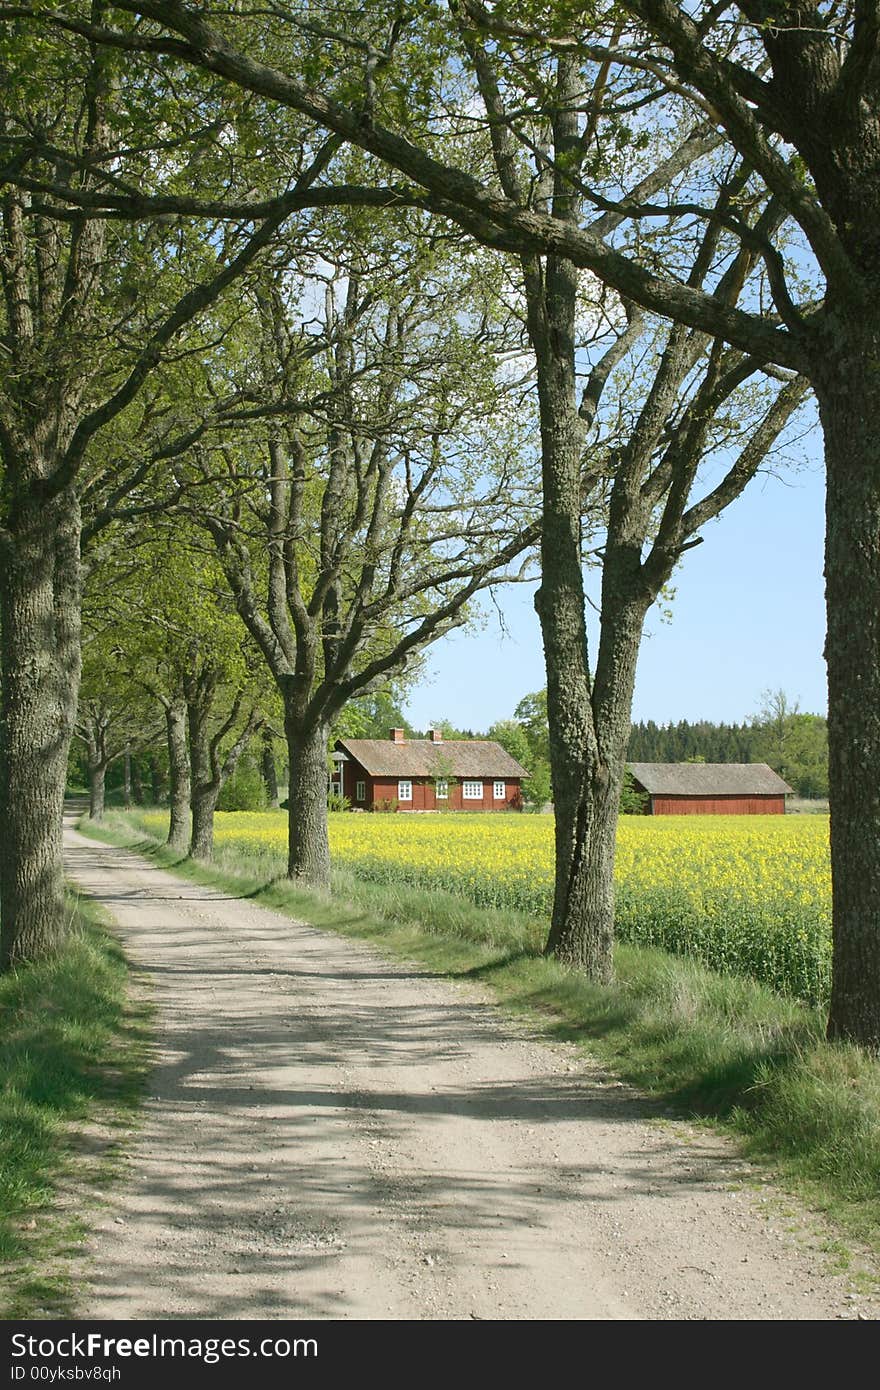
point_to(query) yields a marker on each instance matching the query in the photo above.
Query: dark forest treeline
(677, 743)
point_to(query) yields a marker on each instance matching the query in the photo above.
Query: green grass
(73, 1055)
(723, 1048)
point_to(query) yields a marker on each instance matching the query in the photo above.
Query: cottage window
(360, 791)
(472, 791)
(441, 791)
(499, 791)
(404, 790)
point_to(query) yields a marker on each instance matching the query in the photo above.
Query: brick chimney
(398, 736)
(436, 735)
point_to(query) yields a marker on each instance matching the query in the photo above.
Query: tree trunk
(583, 933)
(582, 924)
(204, 789)
(39, 620)
(308, 860)
(205, 795)
(126, 779)
(847, 383)
(267, 767)
(68, 607)
(589, 719)
(208, 775)
(97, 778)
(137, 783)
(178, 775)
(204, 804)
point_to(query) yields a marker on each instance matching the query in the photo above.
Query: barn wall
(352, 773)
(718, 805)
(383, 789)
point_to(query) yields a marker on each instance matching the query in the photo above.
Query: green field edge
(714, 1048)
(74, 1052)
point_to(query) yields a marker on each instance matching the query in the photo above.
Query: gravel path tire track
(328, 1134)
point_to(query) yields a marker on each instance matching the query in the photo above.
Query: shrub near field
(744, 894)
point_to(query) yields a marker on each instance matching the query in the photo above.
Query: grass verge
(722, 1048)
(73, 1054)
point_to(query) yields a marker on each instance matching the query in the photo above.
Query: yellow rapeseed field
(748, 894)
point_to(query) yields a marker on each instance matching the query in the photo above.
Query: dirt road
(331, 1135)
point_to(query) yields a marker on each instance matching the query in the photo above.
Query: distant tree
(176, 640)
(794, 744)
(540, 788)
(516, 739)
(531, 714)
(808, 755)
(775, 721)
(220, 726)
(374, 715)
(513, 739)
(245, 788)
(113, 719)
(632, 801)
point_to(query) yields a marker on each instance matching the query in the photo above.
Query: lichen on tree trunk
(308, 859)
(582, 925)
(97, 779)
(178, 774)
(204, 804)
(848, 389)
(39, 617)
(588, 771)
(582, 930)
(209, 768)
(204, 786)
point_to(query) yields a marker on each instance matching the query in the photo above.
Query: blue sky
(748, 615)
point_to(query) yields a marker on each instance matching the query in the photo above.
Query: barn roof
(708, 779)
(423, 758)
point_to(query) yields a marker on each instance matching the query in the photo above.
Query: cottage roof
(708, 779)
(424, 758)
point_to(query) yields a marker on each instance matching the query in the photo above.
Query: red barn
(710, 789)
(428, 774)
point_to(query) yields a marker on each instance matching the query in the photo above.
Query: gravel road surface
(328, 1134)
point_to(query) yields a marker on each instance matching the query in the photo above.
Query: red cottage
(427, 774)
(710, 789)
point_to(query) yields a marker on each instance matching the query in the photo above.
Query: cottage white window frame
(499, 791)
(441, 790)
(472, 791)
(404, 789)
(360, 791)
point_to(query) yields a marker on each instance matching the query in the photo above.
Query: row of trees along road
(709, 169)
(349, 515)
(164, 662)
